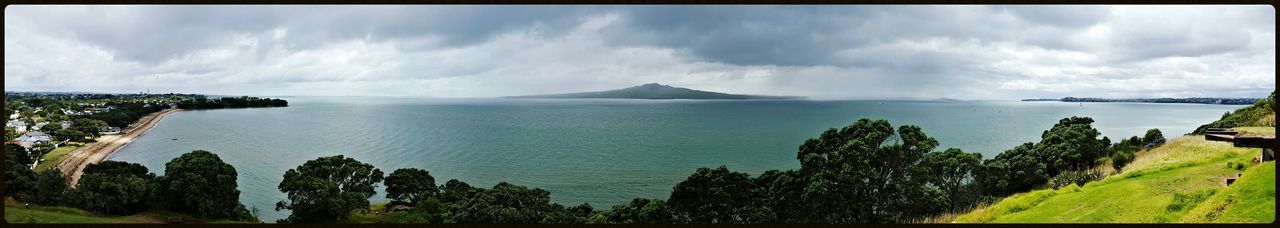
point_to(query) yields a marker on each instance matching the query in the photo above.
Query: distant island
(656, 91)
(1193, 100)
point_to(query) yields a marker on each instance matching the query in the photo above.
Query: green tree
(90, 127)
(70, 134)
(49, 189)
(115, 188)
(10, 133)
(17, 154)
(410, 185)
(18, 177)
(1071, 144)
(111, 194)
(506, 203)
(865, 173)
(952, 172)
(713, 196)
(327, 189)
(201, 184)
(1016, 170)
(1153, 138)
(455, 191)
(641, 211)
(781, 193)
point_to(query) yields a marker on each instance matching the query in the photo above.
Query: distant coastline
(1193, 100)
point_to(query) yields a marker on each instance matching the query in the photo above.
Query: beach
(106, 145)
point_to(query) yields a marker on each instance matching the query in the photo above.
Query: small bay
(600, 151)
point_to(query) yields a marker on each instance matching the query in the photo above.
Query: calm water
(604, 152)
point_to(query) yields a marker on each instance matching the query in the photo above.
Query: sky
(960, 52)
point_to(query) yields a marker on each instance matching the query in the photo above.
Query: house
(18, 125)
(40, 125)
(111, 131)
(32, 138)
(65, 124)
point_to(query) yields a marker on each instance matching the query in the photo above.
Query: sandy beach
(106, 145)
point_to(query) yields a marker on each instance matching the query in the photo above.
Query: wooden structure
(1266, 143)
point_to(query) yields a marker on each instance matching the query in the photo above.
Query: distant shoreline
(106, 145)
(1194, 100)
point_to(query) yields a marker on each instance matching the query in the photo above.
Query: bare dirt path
(106, 145)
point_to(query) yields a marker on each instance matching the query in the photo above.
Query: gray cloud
(996, 52)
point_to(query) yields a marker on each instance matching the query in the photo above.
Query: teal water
(603, 152)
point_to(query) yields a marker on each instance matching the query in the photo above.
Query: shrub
(1077, 177)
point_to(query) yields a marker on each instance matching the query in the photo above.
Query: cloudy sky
(966, 52)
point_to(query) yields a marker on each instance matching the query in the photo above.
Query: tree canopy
(201, 184)
(410, 185)
(327, 189)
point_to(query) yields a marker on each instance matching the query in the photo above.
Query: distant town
(47, 125)
(1193, 100)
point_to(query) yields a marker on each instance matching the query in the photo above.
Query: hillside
(1179, 182)
(15, 212)
(655, 91)
(1260, 114)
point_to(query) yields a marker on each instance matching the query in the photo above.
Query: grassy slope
(1250, 200)
(54, 157)
(1164, 184)
(15, 212)
(1260, 114)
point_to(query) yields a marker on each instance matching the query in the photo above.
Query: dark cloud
(979, 51)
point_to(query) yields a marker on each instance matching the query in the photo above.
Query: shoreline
(107, 145)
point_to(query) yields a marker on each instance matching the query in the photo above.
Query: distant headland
(1193, 100)
(656, 91)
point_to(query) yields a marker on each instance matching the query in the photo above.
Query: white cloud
(924, 52)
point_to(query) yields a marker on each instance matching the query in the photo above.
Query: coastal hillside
(655, 91)
(1260, 114)
(1181, 181)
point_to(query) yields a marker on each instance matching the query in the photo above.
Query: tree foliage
(202, 102)
(640, 211)
(201, 184)
(410, 185)
(866, 172)
(114, 188)
(327, 189)
(86, 126)
(713, 196)
(1152, 138)
(951, 171)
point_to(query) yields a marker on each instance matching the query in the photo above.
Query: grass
(1263, 131)
(374, 215)
(1164, 185)
(1182, 152)
(1250, 200)
(15, 212)
(51, 159)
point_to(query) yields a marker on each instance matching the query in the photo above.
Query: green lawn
(1257, 130)
(17, 214)
(1250, 200)
(54, 157)
(1164, 185)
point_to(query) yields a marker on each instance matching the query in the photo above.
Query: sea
(599, 151)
